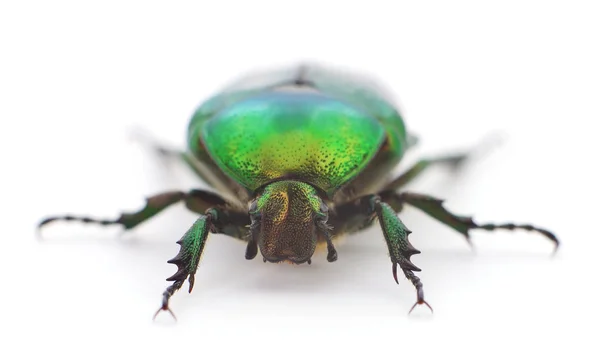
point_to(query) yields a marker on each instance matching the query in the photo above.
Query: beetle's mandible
(296, 158)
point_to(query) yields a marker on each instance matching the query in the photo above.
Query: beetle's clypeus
(298, 157)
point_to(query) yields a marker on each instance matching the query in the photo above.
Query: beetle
(298, 157)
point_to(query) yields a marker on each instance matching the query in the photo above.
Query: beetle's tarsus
(167, 296)
(525, 227)
(164, 309)
(82, 219)
(416, 281)
(408, 268)
(422, 302)
(435, 208)
(153, 206)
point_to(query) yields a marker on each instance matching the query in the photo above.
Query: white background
(76, 79)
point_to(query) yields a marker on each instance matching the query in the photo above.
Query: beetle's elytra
(296, 158)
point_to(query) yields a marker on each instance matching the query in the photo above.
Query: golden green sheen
(310, 123)
(289, 134)
(366, 94)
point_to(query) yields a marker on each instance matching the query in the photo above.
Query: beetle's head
(288, 217)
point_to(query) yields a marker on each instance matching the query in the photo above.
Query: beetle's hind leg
(454, 161)
(170, 153)
(434, 207)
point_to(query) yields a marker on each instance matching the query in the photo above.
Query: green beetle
(299, 157)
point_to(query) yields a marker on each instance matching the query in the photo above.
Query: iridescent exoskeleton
(296, 158)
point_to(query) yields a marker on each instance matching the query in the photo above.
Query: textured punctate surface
(288, 210)
(365, 94)
(304, 135)
(323, 132)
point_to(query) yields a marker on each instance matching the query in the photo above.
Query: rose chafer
(297, 158)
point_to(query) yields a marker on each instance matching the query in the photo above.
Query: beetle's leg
(434, 207)
(192, 244)
(197, 200)
(359, 213)
(154, 205)
(418, 168)
(170, 153)
(188, 159)
(454, 161)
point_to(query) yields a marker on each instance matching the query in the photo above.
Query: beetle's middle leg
(196, 200)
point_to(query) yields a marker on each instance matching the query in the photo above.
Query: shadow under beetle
(298, 157)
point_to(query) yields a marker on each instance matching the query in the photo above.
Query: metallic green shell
(325, 133)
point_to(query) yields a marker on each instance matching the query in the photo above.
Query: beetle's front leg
(359, 213)
(396, 236)
(192, 244)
